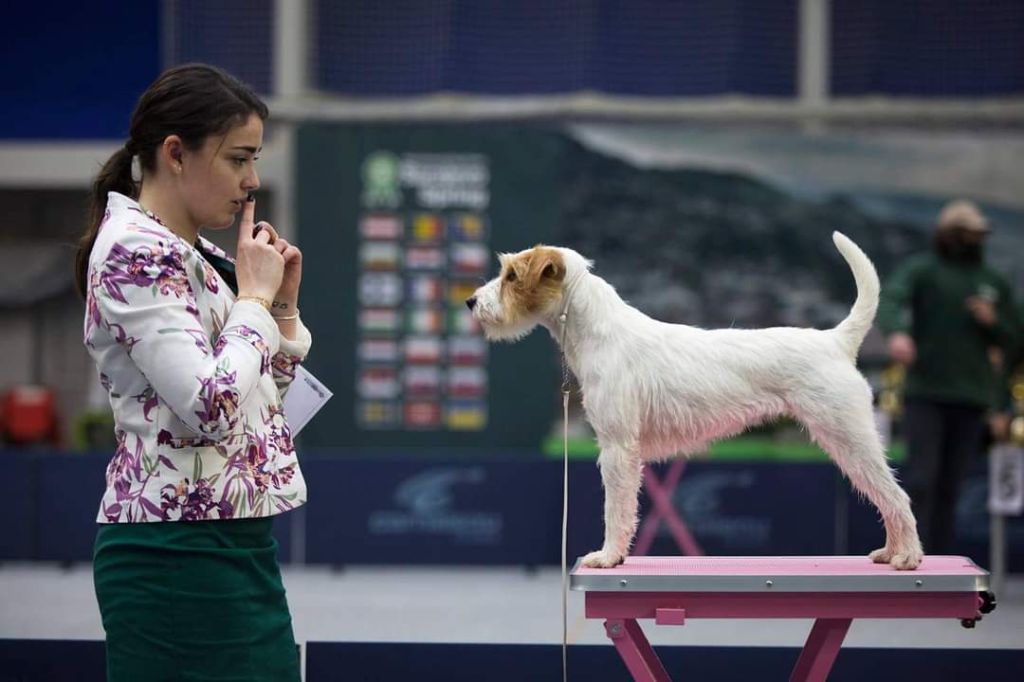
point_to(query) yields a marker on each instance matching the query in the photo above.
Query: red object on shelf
(28, 415)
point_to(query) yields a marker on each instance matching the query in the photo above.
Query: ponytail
(115, 176)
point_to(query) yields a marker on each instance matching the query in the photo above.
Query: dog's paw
(602, 559)
(905, 561)
(881, 556)
(901, 561)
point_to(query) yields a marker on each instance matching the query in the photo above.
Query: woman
(185, 565)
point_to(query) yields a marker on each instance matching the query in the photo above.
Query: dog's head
(527, 291)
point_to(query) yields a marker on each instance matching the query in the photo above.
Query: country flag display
(422, 250)
(466, 227)
(380, 226)
(427, 227)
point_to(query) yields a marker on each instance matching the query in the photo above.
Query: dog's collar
(563, 317)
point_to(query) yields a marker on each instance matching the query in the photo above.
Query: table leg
(821, 649)
(635, 650)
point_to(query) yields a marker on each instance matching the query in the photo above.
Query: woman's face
(218, 176)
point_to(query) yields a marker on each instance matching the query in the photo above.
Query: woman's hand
(287, 298)
(259, 266)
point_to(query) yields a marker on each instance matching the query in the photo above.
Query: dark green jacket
(927, 298)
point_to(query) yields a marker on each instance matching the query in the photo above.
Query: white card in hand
(304, 399)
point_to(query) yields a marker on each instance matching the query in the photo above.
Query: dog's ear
(545, 266)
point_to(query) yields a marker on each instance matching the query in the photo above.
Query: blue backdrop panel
(369, 662)
(755, 508)
(235, 35)
(928, 47)
(638, 48)
(75, 69)
(439, 511)
(84, 661)
(17, 540)
(69, 499)
(488, 510)
(405, 510)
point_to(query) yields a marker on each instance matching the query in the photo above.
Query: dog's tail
(855, 327)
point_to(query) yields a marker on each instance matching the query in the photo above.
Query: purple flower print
(211, 281)
(149, 399)
(250, 335)
(220, 402)
(147, 266)
(194, 501)
(284, 365)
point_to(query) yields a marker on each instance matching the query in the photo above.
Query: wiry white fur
(652, 390)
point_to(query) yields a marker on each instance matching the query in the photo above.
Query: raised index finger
(249, 211)
(245, 224)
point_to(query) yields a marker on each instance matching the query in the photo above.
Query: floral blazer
(195, 380)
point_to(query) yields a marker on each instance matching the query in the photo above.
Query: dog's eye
(511, 276)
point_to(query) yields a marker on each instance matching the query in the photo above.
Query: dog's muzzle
(471, 302)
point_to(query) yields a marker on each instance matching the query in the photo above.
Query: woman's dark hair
(192, 101)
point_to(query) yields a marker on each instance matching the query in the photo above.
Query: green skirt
(193, 600)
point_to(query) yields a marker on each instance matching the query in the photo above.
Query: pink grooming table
(833, 590)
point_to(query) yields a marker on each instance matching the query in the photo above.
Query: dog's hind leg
(845, 428)
(621, 474)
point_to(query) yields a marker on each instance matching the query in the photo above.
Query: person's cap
(963, 214)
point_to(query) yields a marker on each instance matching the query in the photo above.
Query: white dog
(652, 389)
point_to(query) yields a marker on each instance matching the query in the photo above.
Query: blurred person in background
(948, 318)
(195, 351)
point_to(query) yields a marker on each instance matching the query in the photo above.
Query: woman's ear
(172, 153)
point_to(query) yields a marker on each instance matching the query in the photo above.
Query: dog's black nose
(470, 302)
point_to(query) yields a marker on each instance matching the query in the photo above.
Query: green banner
(399, 224)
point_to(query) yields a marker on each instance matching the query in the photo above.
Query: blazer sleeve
(147, 302)
(292, 353)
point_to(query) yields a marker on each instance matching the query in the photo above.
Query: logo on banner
(425, 505)
(447, 180)
(381, 180)
(699, 498)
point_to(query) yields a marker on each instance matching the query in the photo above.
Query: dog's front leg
(621, 473)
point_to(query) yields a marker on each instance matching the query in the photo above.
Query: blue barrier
(366, 662)
(83, 661)
(402, 509)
